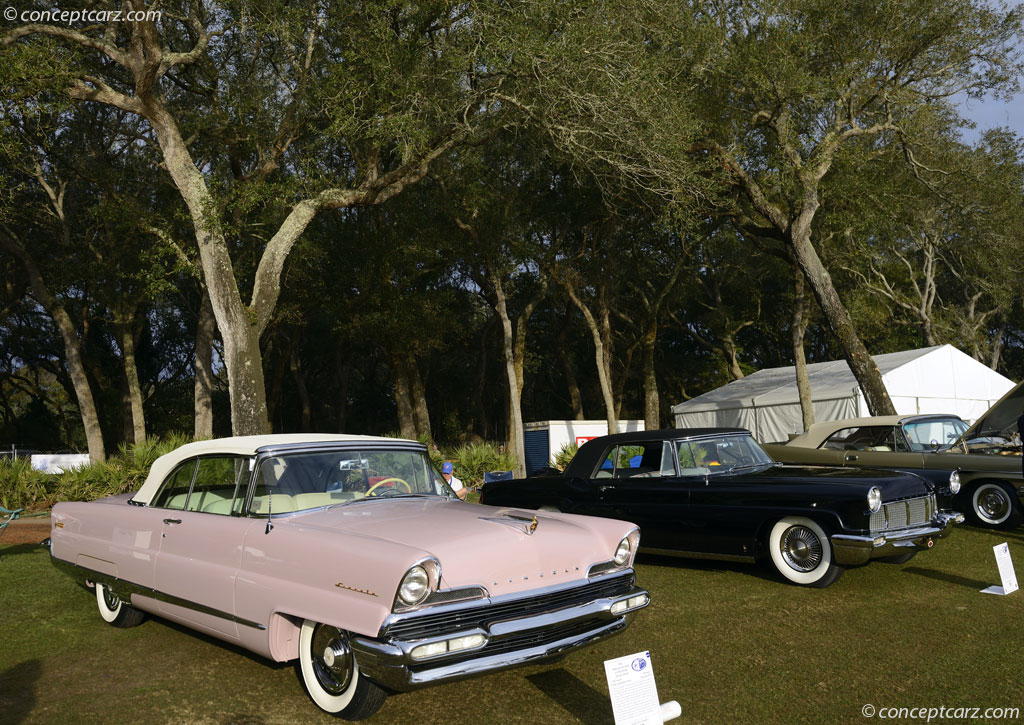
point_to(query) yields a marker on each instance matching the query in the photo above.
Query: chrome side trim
(125, 589)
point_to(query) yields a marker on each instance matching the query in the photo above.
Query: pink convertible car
(351, 555)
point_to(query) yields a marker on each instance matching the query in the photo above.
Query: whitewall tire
(114, 611)
(331, 674)
(801, 552)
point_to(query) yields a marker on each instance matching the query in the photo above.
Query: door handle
(172, 521)
(851, 457)
(602, 489)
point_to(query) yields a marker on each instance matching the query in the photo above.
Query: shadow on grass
(758, 570)
(220, 643)
(17, 691)
(574, 695)
(1014, 535)
(18, 549)
(962, 581)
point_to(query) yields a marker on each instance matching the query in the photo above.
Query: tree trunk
(997, 347)
(864, 368)
(299, 378)
(418, 398)
(798, 329)
(403, 402)
(341, 371)
(600, 357)
(516, 445)
(203, 395)
(652, 403)
(126, 334)
(72, 349)
(480, 389)
(570, 377)
(242, 358)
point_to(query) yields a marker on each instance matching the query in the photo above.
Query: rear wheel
(331, 674)
(114, 611)
(801, 552)
(994, 505)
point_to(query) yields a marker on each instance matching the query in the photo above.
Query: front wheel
(801, 552)
(993, 505)
(331, 674)
(114, 611)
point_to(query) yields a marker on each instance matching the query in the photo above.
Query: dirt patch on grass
(26, 531)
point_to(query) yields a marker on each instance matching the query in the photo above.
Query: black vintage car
(714, 493)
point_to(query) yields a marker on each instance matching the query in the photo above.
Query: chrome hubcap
(993, 504)
(332, 659)
(110, 599)
(801, 548)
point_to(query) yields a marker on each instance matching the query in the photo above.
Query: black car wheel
(114, 611)
(331, 674)
(994, 505)
(801, 552)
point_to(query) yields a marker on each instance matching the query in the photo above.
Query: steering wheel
(399, 481)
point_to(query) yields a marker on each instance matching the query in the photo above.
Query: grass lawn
(730, 642)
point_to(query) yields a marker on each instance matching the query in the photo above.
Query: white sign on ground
(633, 692)
(1006, 573)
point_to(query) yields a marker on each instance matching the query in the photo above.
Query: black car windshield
(720, 454)
(302, 481)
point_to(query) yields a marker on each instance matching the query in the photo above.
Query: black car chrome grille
(900, 514)
(426, 625)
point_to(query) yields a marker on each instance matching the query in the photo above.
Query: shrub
(472, 460)
(565, 454)
(21, 486)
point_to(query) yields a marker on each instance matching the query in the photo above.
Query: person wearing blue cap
(448, 471)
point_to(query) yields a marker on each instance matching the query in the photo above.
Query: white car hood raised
(499, 548)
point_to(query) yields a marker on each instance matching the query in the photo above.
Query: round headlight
(415, 586)
(622, 553)
(874, 499)
(954, 482)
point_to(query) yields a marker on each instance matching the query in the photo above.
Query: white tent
(931, 380)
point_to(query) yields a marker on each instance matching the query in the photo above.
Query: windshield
(301, 481)
(706, 456)
(933, 433)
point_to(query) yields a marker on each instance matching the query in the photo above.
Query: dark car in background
(985, 454)
(715, 493)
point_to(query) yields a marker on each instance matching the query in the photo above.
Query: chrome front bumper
(512, 642)
(851, 550)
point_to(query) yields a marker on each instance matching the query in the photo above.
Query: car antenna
(270, 511)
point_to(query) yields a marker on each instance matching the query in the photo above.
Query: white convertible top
(238, 446)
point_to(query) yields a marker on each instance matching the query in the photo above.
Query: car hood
(1001, 419)
(893, 484)
(468, 539)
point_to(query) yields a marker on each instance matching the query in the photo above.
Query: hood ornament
(520, 520)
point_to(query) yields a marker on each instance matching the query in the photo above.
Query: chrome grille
(900, 514)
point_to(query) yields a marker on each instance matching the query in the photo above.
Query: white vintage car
(352, 555)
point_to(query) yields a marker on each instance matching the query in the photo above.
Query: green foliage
(565, 454)
(472, 460)
(21, 486)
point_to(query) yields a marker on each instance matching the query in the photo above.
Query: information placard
(1006, 572)
(633, 692)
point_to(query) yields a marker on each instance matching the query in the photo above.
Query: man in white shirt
(448, 471)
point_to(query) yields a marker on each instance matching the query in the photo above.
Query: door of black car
(636, 482)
